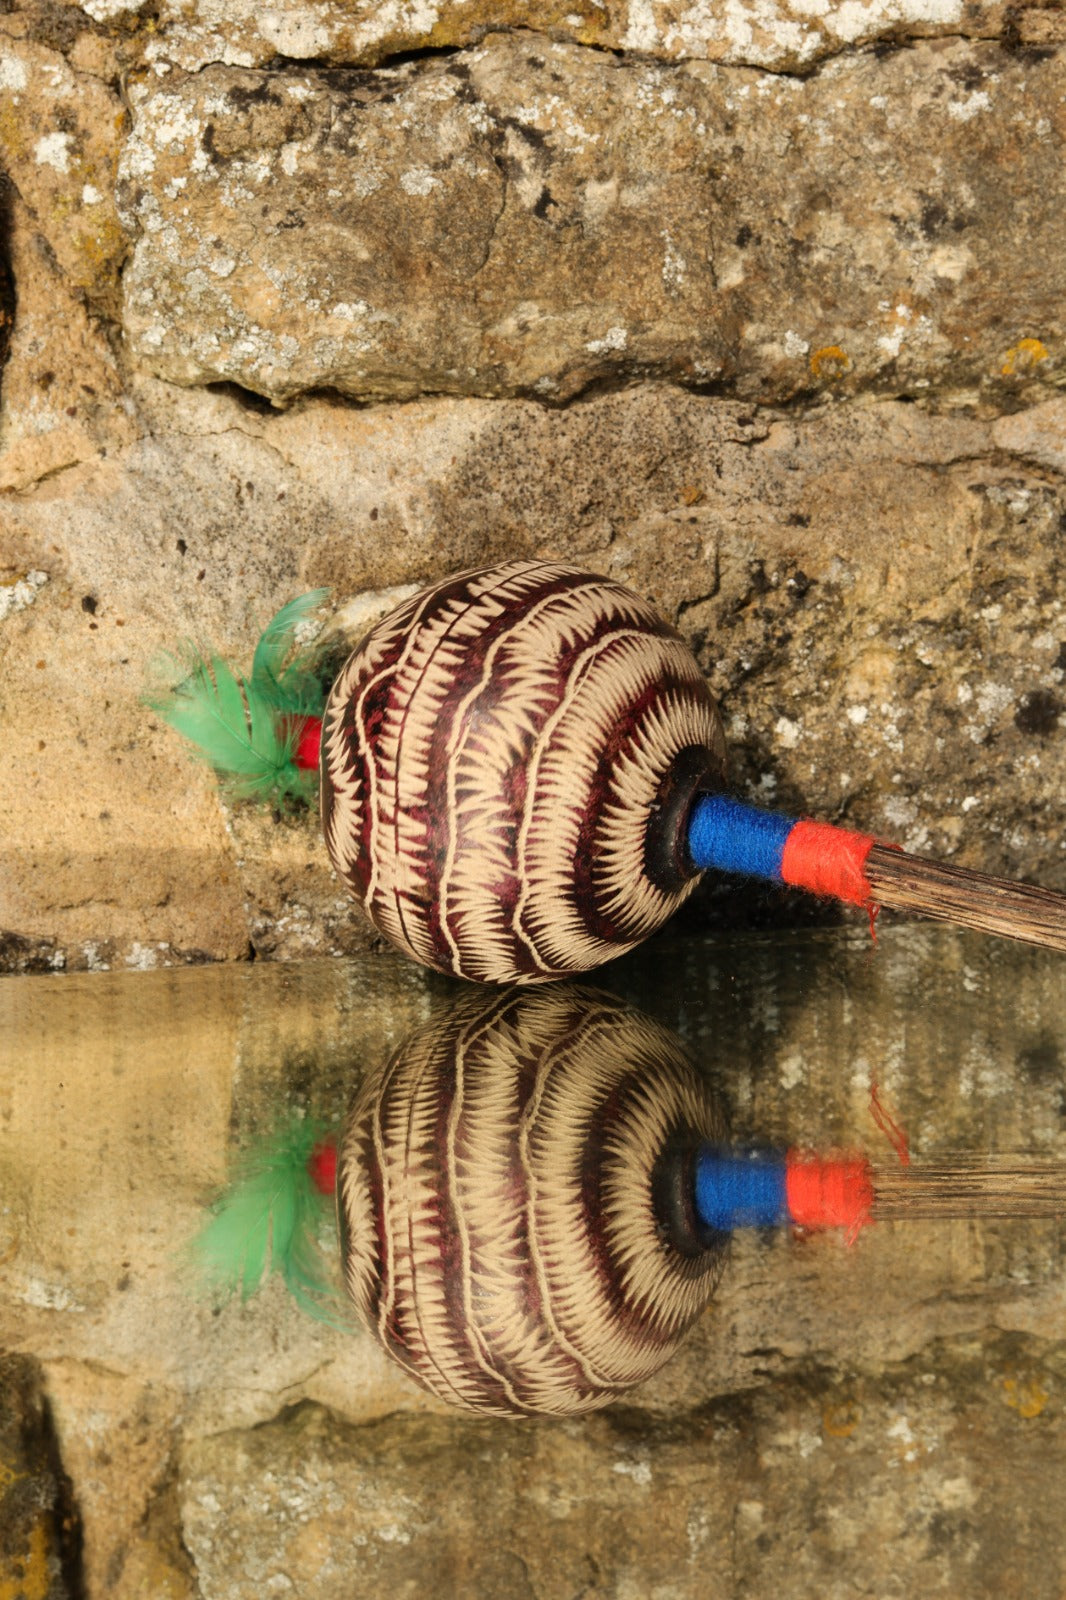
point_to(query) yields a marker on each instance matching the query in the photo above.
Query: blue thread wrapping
(732, 837)
(740, 1188)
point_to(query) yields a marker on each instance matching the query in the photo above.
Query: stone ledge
(800, 1487)
(784, 35)
(874, 592)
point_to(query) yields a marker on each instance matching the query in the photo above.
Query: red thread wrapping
(828, 1192)
(828, 860)
(322, 1166)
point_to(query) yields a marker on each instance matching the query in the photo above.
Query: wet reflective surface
(906, 1386)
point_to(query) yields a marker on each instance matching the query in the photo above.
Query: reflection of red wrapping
(322, 1166)
(828, 1192)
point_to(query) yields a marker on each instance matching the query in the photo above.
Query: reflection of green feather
(269, 1220)
(243, 727)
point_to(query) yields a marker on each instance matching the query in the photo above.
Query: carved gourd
(508, 761)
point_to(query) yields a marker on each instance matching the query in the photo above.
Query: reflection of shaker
(534, 1197)
(536, 1193)
(507, 1194)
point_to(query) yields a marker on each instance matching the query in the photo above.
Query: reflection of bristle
(966, 1185)
(494, 752)
(513, 1261)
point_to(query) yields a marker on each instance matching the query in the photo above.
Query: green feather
(270, 1219)
(293, 681)
(240, 726)
(234, 728)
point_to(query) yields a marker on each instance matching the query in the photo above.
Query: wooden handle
(971, 899)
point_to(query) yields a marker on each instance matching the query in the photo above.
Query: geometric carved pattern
(493, 755)
(495, 1199)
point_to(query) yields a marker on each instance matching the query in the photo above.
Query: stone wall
(759, 307)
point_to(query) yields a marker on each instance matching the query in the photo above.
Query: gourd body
(497, 1195)
(506, 761)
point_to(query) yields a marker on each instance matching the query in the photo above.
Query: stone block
(520, 220)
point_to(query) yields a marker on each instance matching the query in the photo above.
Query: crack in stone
(496, 141)
(884, 42)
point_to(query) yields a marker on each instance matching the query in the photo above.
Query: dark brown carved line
(358, 745)
(571, 1040)
(549, 1219)
(411, 1345)
(520, 1380)
(651, 1328)
(569, 665)
(384, 1297)
(588, 1194)
(360, 732)
(438, 820)
(357, 1158)
(446, 1360)
(587, 891)
(528, 1294)
(665, 1086)
(354, 761)
(495, 1377)
(435, 819)
(451, 1205)
(521, 577)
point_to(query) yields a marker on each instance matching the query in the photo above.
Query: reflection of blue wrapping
(740, 1188)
